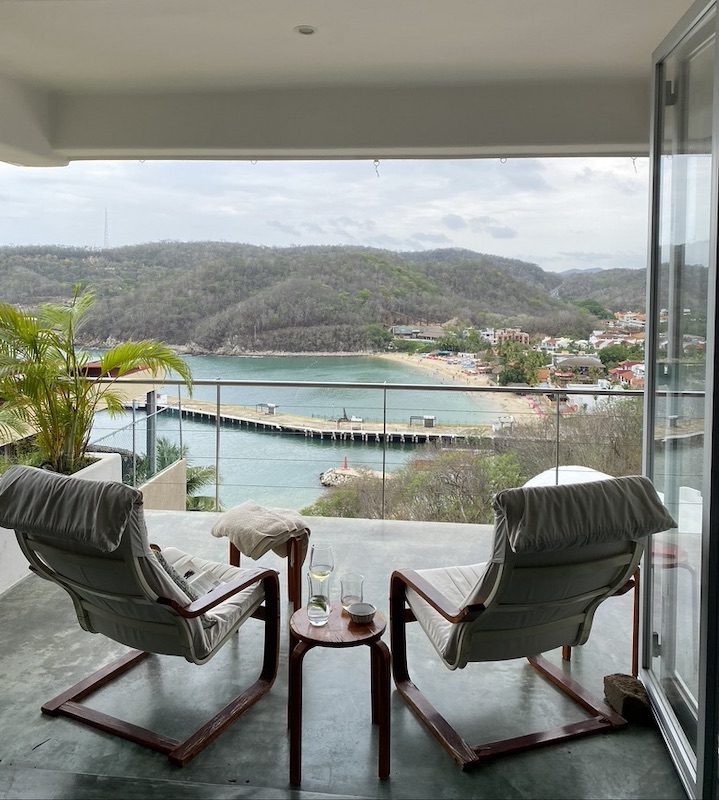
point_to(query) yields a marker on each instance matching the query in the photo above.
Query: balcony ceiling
(233, 79)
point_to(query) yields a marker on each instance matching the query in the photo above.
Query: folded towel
(254, 529)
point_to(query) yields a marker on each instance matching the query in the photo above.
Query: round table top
(339, 631)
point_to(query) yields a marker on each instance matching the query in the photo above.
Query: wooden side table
(339, 631)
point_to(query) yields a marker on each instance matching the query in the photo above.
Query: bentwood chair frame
(559, 551)
(133, 600)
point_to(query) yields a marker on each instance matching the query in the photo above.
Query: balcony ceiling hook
(376, 166)
(503, 160)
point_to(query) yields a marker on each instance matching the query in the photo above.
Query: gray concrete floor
(44, 651)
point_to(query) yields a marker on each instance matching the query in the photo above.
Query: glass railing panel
(416, 452)
(602, 433)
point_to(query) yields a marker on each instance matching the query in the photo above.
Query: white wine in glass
(322, 561)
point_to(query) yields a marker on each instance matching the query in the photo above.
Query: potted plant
(45, 385)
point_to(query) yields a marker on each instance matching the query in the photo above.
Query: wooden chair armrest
(409, 578)
(220, 593)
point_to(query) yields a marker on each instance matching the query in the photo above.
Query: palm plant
(45, 386)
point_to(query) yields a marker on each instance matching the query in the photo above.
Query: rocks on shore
(337, 476)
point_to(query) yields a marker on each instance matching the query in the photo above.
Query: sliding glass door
(680, 375)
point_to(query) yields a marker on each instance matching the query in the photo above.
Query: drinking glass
(351, 589)
(318, 605)
(322, 561)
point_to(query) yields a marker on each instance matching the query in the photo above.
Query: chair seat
(231, 612)
(456, 584)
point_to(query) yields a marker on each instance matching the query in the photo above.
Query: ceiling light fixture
(305, 30)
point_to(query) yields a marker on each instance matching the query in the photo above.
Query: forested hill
(225, 297)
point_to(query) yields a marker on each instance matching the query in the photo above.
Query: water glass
(322, 561)
(318, 605)
(351, 589)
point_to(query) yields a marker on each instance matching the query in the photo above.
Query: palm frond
(197, 477)
(145, 354)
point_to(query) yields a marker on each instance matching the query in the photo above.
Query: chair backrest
(90, 538)
(559, 551)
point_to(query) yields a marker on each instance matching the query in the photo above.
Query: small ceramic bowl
(361, 613)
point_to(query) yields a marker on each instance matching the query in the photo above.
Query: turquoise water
(283, 470)
(450, 408)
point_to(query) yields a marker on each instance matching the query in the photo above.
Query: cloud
(432, 238)
(580, 255)
(281, 226)
(493, 227)
(454, 222)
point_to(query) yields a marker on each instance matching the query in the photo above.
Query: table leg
(294, 710)
(294, 574)
(381, 702)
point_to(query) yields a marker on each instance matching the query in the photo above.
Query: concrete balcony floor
(44, 651)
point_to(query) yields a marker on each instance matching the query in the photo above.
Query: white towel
(254, 529)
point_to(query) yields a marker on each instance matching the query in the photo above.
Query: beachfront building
(503, 335)
(372, 81)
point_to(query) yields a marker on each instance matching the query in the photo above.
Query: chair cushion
(611, 510)
(229, 614)
(456, 584)
(207, 620)
(44, 503)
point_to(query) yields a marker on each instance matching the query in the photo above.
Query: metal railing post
(151, 432)
(384, 447)
(134, 445)
(217, 451)
(179, 414)
(556, 446)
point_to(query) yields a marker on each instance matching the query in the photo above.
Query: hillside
(226, 297)
(612, 288)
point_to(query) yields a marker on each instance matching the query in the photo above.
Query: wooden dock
(312, 428)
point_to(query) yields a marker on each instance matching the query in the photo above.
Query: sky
(559, 213)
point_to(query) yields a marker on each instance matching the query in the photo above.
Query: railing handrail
(420, 387)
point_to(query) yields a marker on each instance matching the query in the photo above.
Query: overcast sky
(560, 213)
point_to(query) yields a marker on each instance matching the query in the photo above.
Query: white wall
(167, 491)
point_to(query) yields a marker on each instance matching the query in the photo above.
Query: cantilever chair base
(558, 553)
(468, 756)
(178, 752)
(89, 538)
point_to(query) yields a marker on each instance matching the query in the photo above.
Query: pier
(256, 418)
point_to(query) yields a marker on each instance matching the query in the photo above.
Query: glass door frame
(698, 772)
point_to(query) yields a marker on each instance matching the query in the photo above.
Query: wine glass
(322, 561)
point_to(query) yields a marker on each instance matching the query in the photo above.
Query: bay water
(283, 470)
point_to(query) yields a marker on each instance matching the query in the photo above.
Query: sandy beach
(511, 404)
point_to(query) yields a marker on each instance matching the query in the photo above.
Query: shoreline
(511, 404)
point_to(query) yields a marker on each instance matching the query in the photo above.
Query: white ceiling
(76, 76)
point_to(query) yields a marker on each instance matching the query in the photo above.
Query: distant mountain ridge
(228, 297)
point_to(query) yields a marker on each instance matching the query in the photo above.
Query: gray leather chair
(90, 538)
